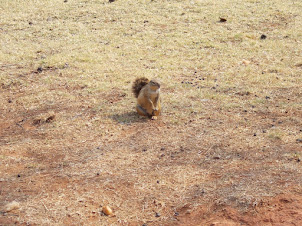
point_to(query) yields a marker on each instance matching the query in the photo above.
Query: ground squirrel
(147, 94)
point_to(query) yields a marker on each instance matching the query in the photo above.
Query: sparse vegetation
(228, 140)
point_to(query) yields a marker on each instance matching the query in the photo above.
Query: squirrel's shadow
(128, 117)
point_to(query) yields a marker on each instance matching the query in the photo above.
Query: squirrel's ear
(156, 80)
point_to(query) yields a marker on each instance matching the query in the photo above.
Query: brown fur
(148, 97)
(138, 84)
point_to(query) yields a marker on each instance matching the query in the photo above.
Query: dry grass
(231, 127)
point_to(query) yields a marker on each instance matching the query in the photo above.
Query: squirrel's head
(154, 84)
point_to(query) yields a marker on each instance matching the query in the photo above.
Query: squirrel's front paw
(153, 117)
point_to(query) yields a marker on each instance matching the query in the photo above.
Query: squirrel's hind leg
(141, 111)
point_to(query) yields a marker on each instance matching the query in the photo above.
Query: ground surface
(227, 149)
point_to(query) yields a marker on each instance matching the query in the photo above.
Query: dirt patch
(284, 209)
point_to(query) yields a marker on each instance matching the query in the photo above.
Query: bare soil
(189, 176)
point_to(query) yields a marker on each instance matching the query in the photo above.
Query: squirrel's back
(138, 84)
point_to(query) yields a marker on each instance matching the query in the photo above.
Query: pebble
(246, 62)
(222, 20)
(12, 206)
(107, 210)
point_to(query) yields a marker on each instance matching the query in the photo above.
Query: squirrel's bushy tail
(138, 84)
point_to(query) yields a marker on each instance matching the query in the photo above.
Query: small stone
(37, 121)
(39, 69)
(263, 37)
(12, 206)
(107, 210)
(299, 140)
(222, 20)
(157, 215)
(50, 118)
(246, 62)
(176, 214)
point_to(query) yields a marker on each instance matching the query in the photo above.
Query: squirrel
(147, 94)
